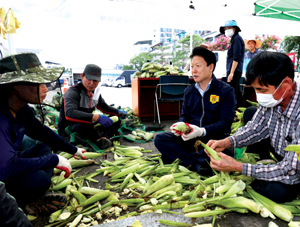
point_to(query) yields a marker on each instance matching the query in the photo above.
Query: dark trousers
(276, 191)
(235, 83)
(172, 147)
(93, 134)
(32, 186)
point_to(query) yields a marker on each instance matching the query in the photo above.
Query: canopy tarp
(280, 9)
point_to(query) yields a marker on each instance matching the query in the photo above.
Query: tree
(140, 59)
(292, 43)
(127, 67)
(162, 55)
(182, 51)
(179, 57)
(196, 41)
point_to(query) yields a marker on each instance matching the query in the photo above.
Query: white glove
(64, 165)
(174, 131)
(195, 132)
(79, 153)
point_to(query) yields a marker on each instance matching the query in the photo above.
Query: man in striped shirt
(277, 117)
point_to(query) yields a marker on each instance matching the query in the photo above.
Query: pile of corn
(156, 70)
(139, 134)
(146, 184)
(50, 115)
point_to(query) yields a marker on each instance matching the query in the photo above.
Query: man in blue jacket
(27, 174)
(208, 107)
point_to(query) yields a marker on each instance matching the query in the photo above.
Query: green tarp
(280, 9)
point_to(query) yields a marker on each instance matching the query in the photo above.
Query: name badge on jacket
(214, 99)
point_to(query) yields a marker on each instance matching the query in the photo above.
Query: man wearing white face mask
(277, 118)
(235, 58)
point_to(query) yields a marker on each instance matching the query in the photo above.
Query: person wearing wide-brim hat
(235, 58)
(27, 174)
(252, 45)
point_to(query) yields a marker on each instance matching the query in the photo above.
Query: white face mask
(229, 32)
(267, 100)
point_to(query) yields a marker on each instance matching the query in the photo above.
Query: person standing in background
(252, 45)
(235, 58)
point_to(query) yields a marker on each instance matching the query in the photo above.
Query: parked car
(109, 83)
(51, 86)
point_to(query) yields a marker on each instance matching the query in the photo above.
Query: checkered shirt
(277, 125)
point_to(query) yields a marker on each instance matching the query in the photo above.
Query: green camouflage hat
(26, 67)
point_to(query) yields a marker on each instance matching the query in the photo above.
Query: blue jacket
(236, 52)
(12, 131)
(214, 111)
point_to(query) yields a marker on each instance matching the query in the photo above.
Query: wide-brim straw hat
(258, 43)
(26, 67)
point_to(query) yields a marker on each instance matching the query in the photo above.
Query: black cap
(92, 72)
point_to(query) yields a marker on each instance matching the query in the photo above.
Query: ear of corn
(206, 213)
(161, 183)
(76, 221)
(211, 151)
(126, 171)
(183, 128)
(225, 187)
(196, 192)
(62, 184)
(173, 223)
(237, 202)
(237, 187)
(126, 180)
(92, 155)
(176, 187)
(78, 195)
(66, 213)
(97, 197)
(275, 208)
(90, 191)
(54, 216)
(81, 163)
(113, 118)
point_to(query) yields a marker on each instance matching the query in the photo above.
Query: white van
(220, 70)
(124, 79)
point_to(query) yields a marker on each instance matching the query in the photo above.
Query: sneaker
(103, 143)
(46, 205)
(52, 202)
